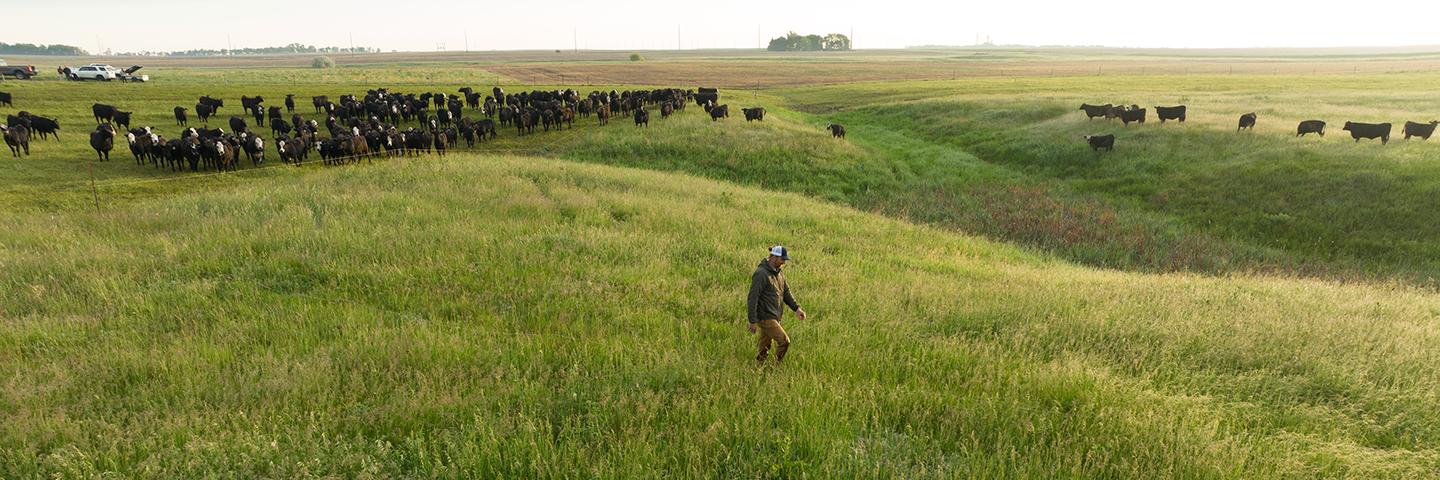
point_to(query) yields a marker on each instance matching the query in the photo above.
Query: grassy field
(989, 297)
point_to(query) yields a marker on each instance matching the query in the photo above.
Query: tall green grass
(521, 317)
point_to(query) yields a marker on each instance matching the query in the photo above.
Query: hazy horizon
(452, 25)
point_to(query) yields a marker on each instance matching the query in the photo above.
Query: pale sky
(423, 25)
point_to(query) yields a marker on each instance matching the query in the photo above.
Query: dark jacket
(767, 290)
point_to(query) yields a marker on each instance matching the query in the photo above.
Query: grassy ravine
(1197, 196)
(521, 317)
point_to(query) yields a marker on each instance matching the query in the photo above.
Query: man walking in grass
(767, 290)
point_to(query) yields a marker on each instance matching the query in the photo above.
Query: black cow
(238, 125)
(756, 113)
(103, 140)
(204, 111)
(258, 112)
(642, 117)
(289, 103)
(1247, 121)
(1368, 130)
(319, 102)
(716, 113)
(1133, 114)
(213, 103)
(279, 127)
(1422, 130)
(1092, 111)
(1171, 113)
(1310, 126)
(103, 113)
(44, 126)
(6, 99)
(122, 119)
(1098, 142)
(250, 103)
(180, 118)
(17, 138)
(836, 130)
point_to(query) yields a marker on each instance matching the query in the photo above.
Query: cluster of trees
(291, 48)
(33, 49)
(794, 42)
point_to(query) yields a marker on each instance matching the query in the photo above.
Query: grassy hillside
(522, 317)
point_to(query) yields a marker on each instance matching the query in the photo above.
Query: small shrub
(635, 57)
(322, 62)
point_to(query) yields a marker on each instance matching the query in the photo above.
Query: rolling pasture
(989, 296)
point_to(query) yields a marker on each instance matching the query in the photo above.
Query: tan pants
(771, 330)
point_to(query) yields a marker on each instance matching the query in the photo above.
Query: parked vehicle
(21, 72)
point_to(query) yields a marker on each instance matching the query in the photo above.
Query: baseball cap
(780, 251)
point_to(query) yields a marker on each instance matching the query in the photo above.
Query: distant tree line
(291, 48)
(33, 49)
(794, 42)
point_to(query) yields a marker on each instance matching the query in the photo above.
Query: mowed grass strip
(522, 317)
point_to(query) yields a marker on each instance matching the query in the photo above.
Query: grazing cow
(757, 114)
(289, 103)
(122, 119)
(238, 125)
(17, 138)
(213, 103)
(103, 140)
(103, 113)
(642, 117)
(1368, 130)
(44, 126)
(1133, 114)
(1092, 111)
(1098, 142)
(1247, 121)
(204, 112)
(6, 99)
(836, 130)
(180, 118)
(1422, 130)
(1310, 126)
(1171, 113)
(716, 113)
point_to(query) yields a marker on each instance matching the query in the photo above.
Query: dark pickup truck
(19, 71)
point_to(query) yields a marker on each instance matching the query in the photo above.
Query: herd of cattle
(360, 126)
(1135, 114)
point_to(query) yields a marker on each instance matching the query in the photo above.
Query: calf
(1368, 130)
(44, 126)
(1098, 142)
(1133, 114)
(204, 112)
(836, 130)
(103, 140)
(1092, 111)
(238, 125)
(1247, 121)
(17, 138)
(1422, 130)
(6, 99)
(1310, 126)
(103, 113)
(1171, 113)
(642, 117)
(122, 119)
(716, 113)
(180, 118)
(757, 114)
